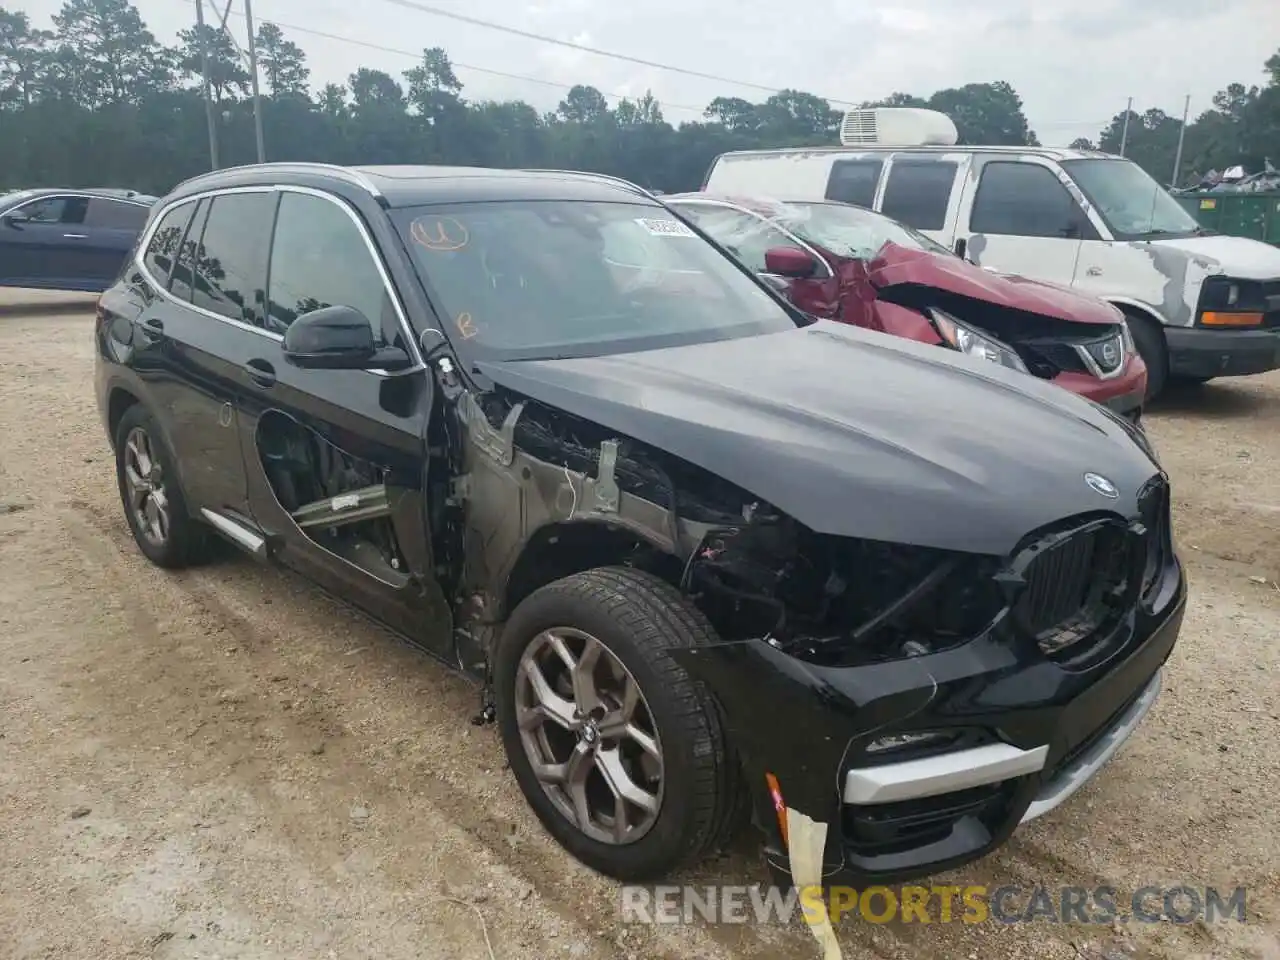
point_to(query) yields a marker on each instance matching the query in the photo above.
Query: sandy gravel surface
(224, 763)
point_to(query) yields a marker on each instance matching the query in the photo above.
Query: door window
(319, 258)
(854, 181)
(744, 235)
(227, 262)
(165, 242)
(184, 271)
(62, 210)
(115, 214)
(918, 192)
(1022, 200)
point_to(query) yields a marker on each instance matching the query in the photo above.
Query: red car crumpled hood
(895, 266)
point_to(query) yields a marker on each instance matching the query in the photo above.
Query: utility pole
(253, 74)
(1124, 134)
(1182, 133)
(204, 78)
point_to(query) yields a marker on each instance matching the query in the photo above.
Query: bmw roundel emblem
(1101, 486)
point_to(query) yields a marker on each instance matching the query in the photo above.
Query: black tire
(186, 542)
(638, 618)
(1149, 339)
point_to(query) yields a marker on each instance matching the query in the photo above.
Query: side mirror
(789, 262)
(338, 338)
(16, 219)
(962, 247)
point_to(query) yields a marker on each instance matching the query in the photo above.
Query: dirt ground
(224, 763)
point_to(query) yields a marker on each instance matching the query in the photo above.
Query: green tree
(583, 105)
(988, 114)
(23, 55)
(282, 62)
(108, 53)
(227, 75)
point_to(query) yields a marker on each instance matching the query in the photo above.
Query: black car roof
(408, 186)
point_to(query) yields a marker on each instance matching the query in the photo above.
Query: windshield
(550, 279)
(1129, 200)
(850, 231)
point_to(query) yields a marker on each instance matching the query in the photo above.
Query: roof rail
(594, 176)
(345, 173)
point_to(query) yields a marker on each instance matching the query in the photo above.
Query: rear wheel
(618, 750)
(153, 502)
(1148, 337)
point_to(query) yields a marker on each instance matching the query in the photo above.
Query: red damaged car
(842, 262)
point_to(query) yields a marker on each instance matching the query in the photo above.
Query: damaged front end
(1048, 332)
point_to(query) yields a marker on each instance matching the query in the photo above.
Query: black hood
(856, 433)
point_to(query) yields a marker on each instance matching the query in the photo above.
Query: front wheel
(618, 750)
(1148, 337)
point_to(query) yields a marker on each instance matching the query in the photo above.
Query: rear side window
(115, 214)
(229, 261)
(165, 241)
(1021, 200)
(854, 181)
(319, 259)
(918, 192)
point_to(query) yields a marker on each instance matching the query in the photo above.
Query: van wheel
(1149, 339)
(153, 502)
(619, 751)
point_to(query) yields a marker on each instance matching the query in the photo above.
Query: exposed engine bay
(340, 501)
(540, 483)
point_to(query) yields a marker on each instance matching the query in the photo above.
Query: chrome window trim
(808, 248)
(406, 328)
(349, 174)
(71, 193)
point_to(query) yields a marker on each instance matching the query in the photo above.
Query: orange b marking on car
(466, 326)
(443, 234)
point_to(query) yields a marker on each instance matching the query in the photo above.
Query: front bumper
(1202, 353)
(1042, 731)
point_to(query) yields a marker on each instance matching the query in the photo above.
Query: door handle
(261, 372)
(75, 236)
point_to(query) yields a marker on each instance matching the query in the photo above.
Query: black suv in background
(704, 552)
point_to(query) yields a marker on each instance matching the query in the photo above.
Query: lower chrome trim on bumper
(992, 763)
(1067, 781)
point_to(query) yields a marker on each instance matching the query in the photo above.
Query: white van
(1200, 305)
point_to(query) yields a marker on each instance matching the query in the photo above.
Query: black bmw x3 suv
(709, 557)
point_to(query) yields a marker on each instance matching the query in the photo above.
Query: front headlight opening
(960, 336)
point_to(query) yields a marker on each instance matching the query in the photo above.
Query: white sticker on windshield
(665, 228)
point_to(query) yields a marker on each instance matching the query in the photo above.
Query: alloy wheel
(145, 489)
(589, 735)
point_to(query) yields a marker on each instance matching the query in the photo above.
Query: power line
(308, 31)
(570, 45)
(700, 111)
(627, 58)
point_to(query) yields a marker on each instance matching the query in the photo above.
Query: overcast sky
(1073, 61)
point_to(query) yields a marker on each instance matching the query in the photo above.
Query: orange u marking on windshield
(443, 234)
